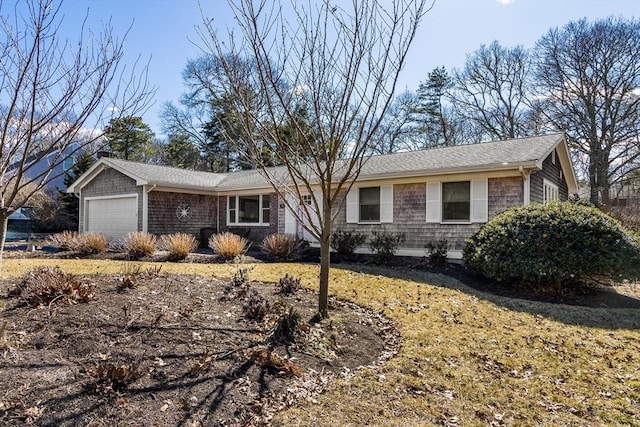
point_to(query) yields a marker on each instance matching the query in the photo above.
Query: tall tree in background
(342, 64)
(180, 152)
(493, 89)
(208, 115)
(51, 91)
(129, 138)
(70, 203)
(588, 75)
(398, 131)
(434, 121)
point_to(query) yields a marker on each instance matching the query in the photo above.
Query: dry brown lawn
(466, 358)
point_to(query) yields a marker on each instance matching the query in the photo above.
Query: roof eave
(532, 164)
(163, 186)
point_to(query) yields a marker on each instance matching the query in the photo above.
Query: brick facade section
(551, 172)
(162, 206)
(110, 183)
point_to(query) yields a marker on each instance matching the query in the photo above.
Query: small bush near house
(556, 245)
(384, 244)
(345, 242)
(228, 245)
(46, 285)
(281, 246)
(64, 241)
(179, 245)
(139, 244)
(288, 285)
(91, 243)
(437, 252)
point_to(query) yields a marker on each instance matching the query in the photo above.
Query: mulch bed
(172, 350)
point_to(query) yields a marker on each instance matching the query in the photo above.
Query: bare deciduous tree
(492, 91)
(588, 75)
(339, 64)
(398, 131)
(53, 95)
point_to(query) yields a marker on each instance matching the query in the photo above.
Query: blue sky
(164, 32)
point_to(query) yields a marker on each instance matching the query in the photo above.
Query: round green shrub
(557, 245)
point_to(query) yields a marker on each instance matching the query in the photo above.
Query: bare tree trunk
(325, 262)
(4, 221)
(603, 180)
(593, 182)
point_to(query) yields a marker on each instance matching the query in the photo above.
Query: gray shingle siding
(209, 209)
(409, 214)
(505, 193)
(110, 183)
(551, 172)
(163, 219)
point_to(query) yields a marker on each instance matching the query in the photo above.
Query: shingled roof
(508, 154)
(505, 154)
(167, 176)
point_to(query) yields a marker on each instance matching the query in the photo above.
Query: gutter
(526, 186)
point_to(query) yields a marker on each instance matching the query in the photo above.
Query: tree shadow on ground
(598, 307)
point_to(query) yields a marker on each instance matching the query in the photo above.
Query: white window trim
(386, 205)
(549, 186)
(435, 202)
(260, 223)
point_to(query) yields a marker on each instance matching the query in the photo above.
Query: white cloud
(505, 2)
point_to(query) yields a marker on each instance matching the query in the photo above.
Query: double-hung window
(549, 191)
(456, 201)
(369, 199)
(370, 205)
(252, 209)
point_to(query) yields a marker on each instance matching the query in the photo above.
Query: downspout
(145, 207)
(218, 216)
(79, 196)
(526, 185)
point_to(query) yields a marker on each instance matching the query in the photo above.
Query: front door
(294, 226)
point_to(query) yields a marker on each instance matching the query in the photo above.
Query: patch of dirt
(172, 350)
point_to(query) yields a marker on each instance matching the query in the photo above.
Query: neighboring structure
(52, 163)
(19, 224)
(625, 197)
(443, 193)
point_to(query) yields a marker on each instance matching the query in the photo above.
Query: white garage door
(113, 217)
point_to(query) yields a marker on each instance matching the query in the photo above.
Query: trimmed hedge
(557, 245)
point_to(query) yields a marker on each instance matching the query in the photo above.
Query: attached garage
(112, 216)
